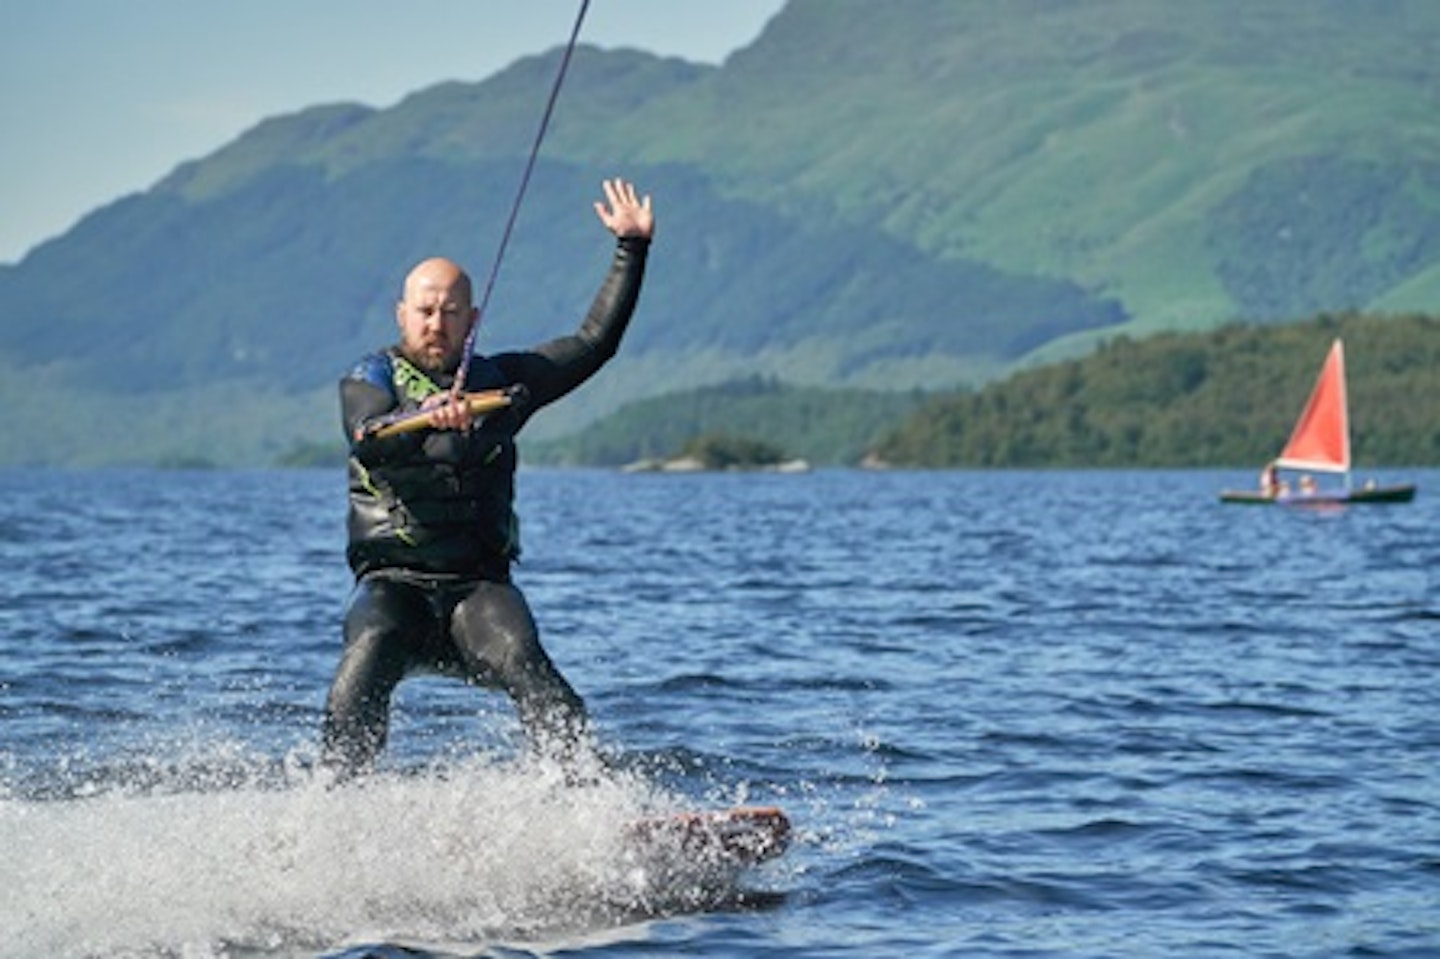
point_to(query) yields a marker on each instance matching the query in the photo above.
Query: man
(432, 526)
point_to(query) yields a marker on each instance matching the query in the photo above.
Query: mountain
(918, 194)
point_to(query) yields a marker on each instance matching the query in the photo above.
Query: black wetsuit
(433, 533)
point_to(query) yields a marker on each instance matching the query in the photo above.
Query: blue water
(1012, 714)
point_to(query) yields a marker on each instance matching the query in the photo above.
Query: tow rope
(489, 400)
(519, 198)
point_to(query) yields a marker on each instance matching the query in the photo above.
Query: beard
(434, 356)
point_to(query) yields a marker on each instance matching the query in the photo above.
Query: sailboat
(1320, 443)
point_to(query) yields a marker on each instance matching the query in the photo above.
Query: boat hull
(1402, 493)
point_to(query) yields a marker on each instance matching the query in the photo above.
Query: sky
(102, 98)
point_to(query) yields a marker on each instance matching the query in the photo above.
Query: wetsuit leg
(384, 624)
(499, 643)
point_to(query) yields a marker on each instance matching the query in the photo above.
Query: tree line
(1223, 398)
(1228, 397)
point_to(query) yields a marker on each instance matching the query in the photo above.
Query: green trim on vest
(411, 382)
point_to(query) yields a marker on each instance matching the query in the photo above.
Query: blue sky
(101, 98)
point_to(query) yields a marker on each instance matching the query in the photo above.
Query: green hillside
(1149, 151)
(919, 194)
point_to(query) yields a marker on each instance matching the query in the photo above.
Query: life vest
(435, 502)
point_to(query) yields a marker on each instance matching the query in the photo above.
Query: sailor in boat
(1270, 480)
(432, 527)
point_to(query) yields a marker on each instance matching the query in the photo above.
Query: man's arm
(559, 366)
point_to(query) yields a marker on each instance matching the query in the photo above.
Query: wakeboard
(739, 836)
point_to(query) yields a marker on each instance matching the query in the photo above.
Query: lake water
(1012, 714)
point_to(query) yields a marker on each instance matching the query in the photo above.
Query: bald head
(435, 314)
(438, 273)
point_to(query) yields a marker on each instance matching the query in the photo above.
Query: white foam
(474, 854)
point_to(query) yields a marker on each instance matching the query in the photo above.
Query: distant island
(720, 452)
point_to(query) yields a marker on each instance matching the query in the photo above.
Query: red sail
(1321, 439)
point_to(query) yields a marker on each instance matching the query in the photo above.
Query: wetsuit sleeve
(559, 366)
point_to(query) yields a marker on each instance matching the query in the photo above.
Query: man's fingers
(620, 193)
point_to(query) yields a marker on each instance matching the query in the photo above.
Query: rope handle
(480, 403)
